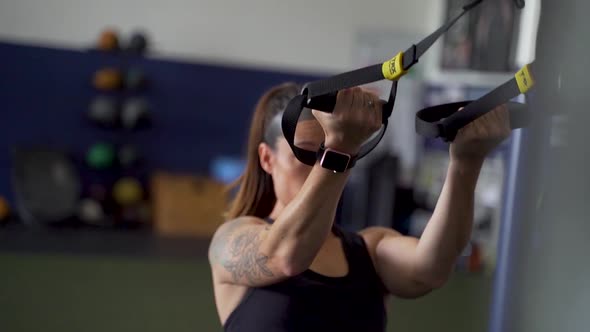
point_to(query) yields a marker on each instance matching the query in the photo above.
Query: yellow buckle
(394, 69)
(524, 79)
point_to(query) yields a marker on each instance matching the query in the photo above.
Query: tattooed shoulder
(237, 250)
(221, 237)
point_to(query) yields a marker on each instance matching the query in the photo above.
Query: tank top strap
(335, 228)
(354, 246)
(360, 260)
(349, 240)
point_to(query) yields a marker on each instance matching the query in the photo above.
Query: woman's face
(287, 171)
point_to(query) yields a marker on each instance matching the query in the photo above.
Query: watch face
(335, 161)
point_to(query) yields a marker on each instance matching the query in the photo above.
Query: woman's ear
(265, 155)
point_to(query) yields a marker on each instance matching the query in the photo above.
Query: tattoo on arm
(239, 254)
(244, 259)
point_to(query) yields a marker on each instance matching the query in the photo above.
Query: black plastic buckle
(471, 5)
(410, 53)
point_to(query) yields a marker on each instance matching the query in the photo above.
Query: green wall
(97, 294)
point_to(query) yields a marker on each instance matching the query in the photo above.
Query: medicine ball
(108, 79)
(108, 40)
(104, 111)
(46, 185)
(138, 43)
(100, 156)
(135, 113)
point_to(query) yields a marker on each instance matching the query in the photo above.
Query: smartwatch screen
(335, 161)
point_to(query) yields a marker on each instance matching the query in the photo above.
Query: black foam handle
(443, 120)
(289, 126)
(324, 103)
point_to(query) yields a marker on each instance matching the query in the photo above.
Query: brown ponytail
(255, 195)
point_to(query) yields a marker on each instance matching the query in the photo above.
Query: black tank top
(314, 302)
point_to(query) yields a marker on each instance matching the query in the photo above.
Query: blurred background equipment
(104, 111)
(136, 113)
(46, 185)
(370, 196)
(90, 211)
(486, 41)
(138, 43)
(127, 191)
(226, 169)
(4, 210)
(100, 156)
(108, 79)
(108, 40)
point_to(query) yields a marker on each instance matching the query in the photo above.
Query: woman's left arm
(411, 267)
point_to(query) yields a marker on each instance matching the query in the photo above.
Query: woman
(279, 263)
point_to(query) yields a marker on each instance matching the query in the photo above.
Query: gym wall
(200, 112)
(297, 35)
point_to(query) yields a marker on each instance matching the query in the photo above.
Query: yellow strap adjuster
(394, 69)
(524, 79)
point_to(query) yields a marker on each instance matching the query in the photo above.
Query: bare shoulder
(372, 235)
(229, 227)
(228, 230)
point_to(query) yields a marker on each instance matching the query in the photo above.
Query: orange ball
(108, 79)
(108, 40)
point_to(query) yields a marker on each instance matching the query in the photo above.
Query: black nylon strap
(368, 147)
(445, 120)
(374, 72)
(291, 117)
(479, 107)
(321, 95)
(412, 54)
(372, 144)
(289, 125)
(344, 81)
(428, 120)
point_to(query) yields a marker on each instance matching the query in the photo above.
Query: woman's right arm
(247, 251)
(250, 252)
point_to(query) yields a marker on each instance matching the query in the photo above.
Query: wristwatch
(336, 161)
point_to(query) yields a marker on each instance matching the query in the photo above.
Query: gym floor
(88, 293)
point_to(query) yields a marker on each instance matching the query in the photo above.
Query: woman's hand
(356, 116)
(478, 138)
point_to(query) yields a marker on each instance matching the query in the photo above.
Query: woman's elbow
(431, 279)
(437, 281)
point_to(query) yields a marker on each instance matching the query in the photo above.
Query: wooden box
(187, 205)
